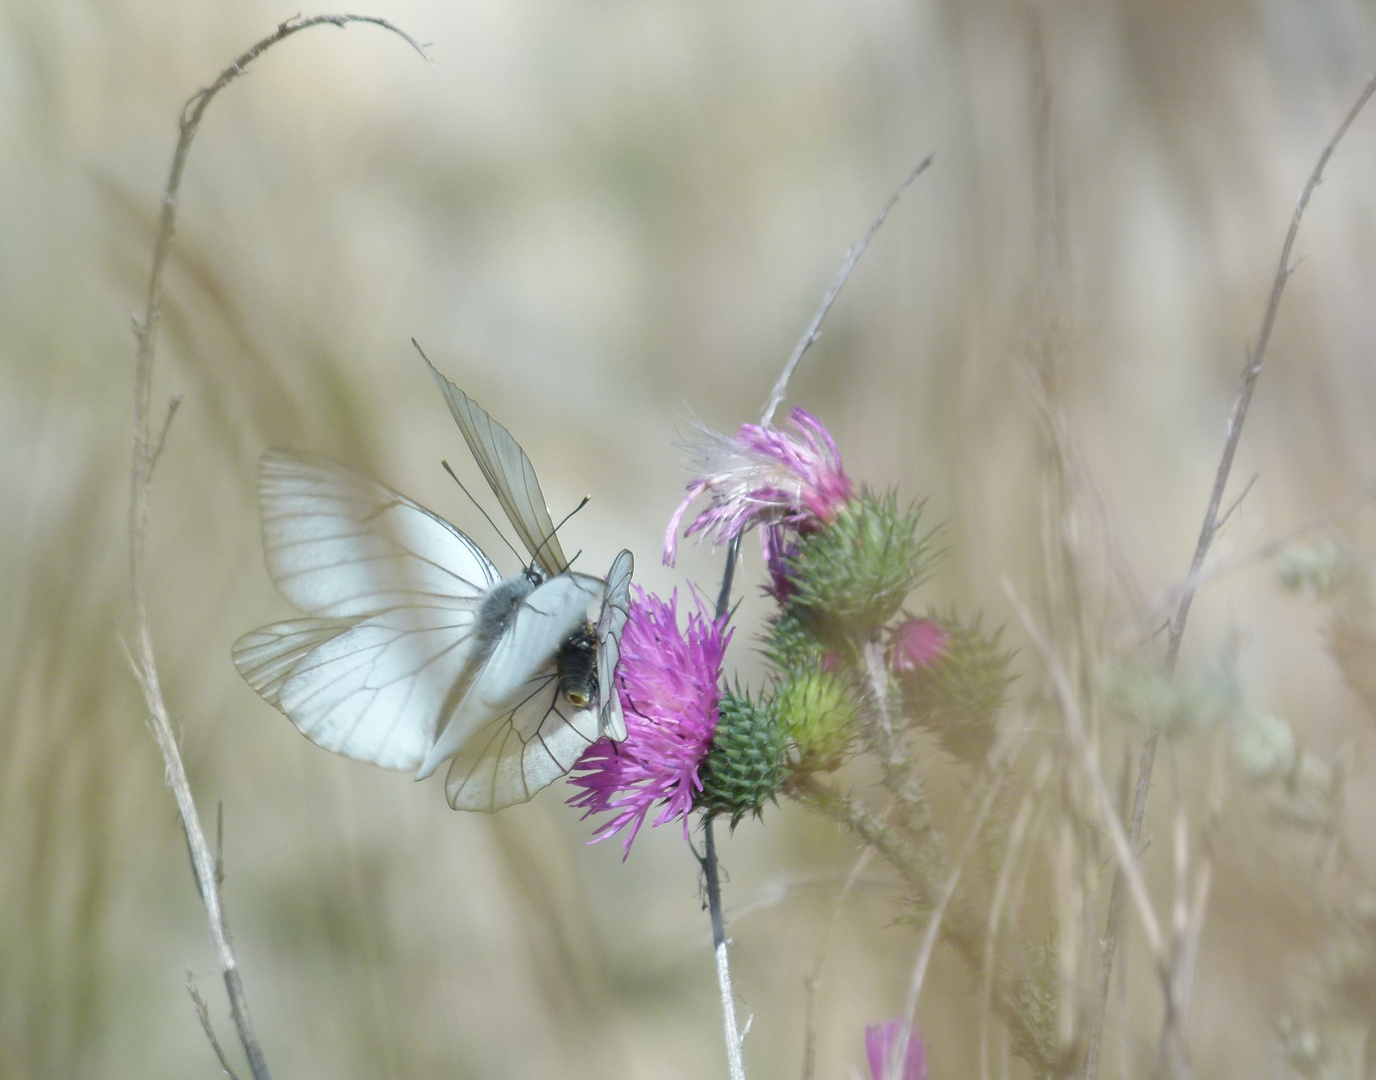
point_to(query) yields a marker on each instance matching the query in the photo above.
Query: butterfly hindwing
(616, 609)
(266, 656)
(378, 691)
(525, 749)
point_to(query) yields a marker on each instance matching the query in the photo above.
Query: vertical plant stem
(710, 870)
(1208, 530)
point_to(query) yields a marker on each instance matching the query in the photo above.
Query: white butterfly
(416, 649)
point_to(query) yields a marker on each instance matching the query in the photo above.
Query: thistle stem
(711, 872)
(728, 1000)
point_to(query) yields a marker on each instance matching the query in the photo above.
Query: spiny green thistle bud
(745, 765)
(954, 679)
(854, 574)
(820, 711)
(794, 640)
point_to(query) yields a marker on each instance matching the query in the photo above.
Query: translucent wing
(266, 656)
(378, 690)
(339, 545)
(542, 623)
(616, 608)
(510, 475)
(527, 748)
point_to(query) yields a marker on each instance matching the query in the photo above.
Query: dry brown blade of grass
(144, 458)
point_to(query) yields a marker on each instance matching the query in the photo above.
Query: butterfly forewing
(340, 545)
(510, 475)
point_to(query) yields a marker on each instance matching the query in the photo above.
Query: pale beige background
(606, 219)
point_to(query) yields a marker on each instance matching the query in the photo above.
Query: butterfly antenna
(535, 555)
(479, 505)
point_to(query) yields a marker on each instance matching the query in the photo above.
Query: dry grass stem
(814, 328)
(994, 785)
(813, 981)
(1030, 806)
(1093, 774)
(144, 458)
(1208, 530)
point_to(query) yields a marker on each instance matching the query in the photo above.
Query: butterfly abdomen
(577, 666)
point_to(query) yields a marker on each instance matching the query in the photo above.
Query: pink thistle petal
(763, 476)
(668, 680)
(917, 644)
(881, 1043)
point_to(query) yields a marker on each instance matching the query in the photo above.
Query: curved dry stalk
(145, 454)
(1208, 530)
(813, 330)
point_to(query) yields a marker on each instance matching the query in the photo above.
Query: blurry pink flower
(881, 1046)
(669, 685)
(917, 644)
(763, 476)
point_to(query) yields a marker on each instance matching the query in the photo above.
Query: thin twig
(893, 1067)
(813, 980)
(1079, 738)
(813, 330)
(1031, 804)
(203, 1014)
(172, 407)
(1253, 370)
(144, 456)
(711, 872)
(1208, 530)
(1260, 553)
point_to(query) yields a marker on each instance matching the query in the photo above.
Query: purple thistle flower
(881, 1044)
(668, 680)
(763, 476)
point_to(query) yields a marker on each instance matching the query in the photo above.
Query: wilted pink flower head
(763, 476)
(881, 1046)
(917, 644)
(668, 680)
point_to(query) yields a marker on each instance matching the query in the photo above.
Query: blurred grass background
(606, 219)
